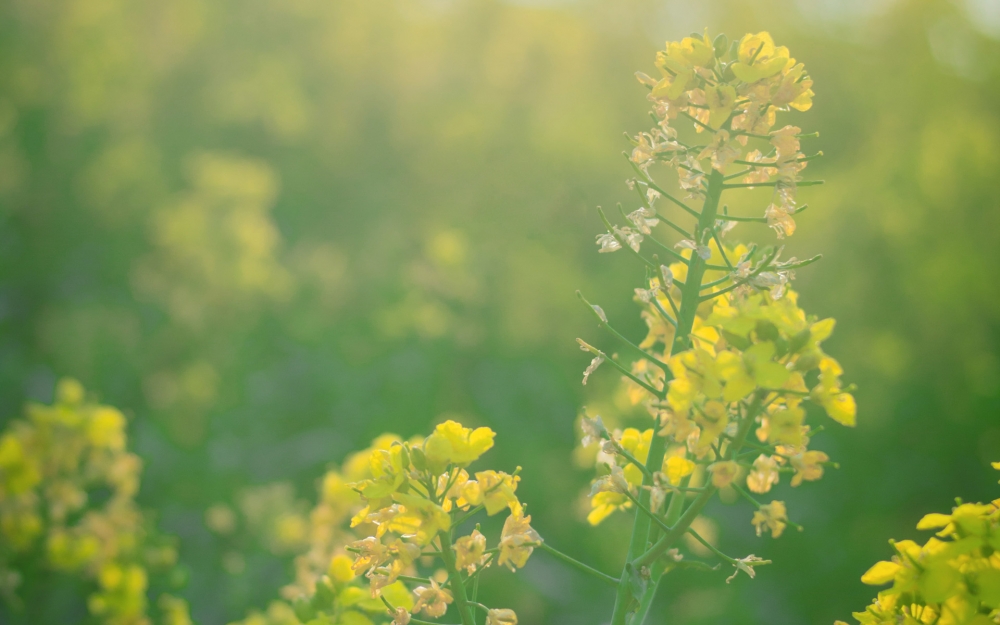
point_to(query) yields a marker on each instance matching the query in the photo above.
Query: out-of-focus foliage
(67, 508)
(387, 208)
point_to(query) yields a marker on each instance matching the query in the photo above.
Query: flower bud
(720, 44)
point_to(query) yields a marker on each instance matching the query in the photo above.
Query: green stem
(589, 570)
(455, 580)
(626, 596)
(668, 539)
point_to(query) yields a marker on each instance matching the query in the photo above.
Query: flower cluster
(54, 467)
(406, 551)
(952, 579)
(752, 349)
(733, 92)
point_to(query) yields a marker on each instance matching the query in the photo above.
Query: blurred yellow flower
(451, 443)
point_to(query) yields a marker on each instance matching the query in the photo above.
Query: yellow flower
(713, 419)
(493, 489)
(678, 64)
(19, 473)
(388, 471)
(721, 100)
(759, 58)
(794, 90)
(677, 468)
(720, 151)
(772, 516)
(763, 475)
(517, 541)
(469, 551)
(723, 473)
(369, 553)
(69, 392)
(502, 616)
(613, 482)
(400, 616)
(881, 573)
(784, 425)
(106, 429)
(604, 503)
(419, 518)
(453, 444)
(341, 568)
(636, 443)
(433, 600)
(838, 404)
(808, 466)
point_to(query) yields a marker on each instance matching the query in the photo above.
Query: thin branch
(774, 183)
(668, 250)
(695, 120)
(711, 547)
(722, 248)
(663, 313)
(760, 220)
(649, 183)
(612, 231)
(774, 165)
(655, 518)
(738, 174)
(628, 456)
(756, 504)
(604, 323)
(604, 577)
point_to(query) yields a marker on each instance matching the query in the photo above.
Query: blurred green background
(269, 230)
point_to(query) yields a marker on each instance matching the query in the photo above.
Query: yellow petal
(933, 520)
(882, 573)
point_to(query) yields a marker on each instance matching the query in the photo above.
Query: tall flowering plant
(730, 361)
(726, 373)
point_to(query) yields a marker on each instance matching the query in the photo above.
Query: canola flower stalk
(393, 547)
(729, 354)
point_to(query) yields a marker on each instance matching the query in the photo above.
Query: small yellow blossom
(759, 58)
(501, 616)
(772, 516)
(432, 601)
(494, 490)
(341, 568)
(451, 443)
(517, 541)
(838, 404)
(808, 466)
(400, 616)
(106, 429)
(613, 482)
(677, 468)
(469, 551)
(604, 504)
(763, 475)
(723, 473)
